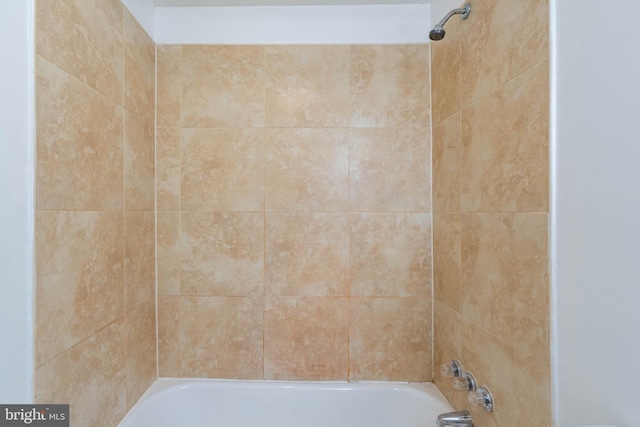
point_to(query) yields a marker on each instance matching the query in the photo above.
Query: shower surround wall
(490, 203)
(294, 214)
(95, 266)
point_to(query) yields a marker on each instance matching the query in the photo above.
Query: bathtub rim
(161, 386)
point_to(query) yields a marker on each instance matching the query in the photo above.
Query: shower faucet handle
(452, 370)
(481, 397)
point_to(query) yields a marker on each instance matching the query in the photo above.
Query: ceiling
(201, 3)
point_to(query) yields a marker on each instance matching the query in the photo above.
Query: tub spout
(455, 419)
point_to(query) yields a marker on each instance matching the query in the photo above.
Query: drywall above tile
(144, 12)
(299, 22)
(210, 3)
(355, 24)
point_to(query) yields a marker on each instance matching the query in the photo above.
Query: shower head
(438, 31)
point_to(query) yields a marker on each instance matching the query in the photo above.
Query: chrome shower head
(438, 31)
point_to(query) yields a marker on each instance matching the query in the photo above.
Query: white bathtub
(209, 403)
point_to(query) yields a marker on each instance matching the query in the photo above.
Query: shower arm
(464, 11)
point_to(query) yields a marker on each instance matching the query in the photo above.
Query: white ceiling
(201, 3)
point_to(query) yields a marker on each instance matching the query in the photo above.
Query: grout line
(124, 208)
(155, 199)
(264, 208)
(500, 85)
(349, 278)
(82, 340)
(432, 231)
(181, 81)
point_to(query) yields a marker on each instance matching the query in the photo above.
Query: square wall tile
(139, 163)
(168, 172)
(91, 377)
(390, 86)
(139, 258)
(307, 254)
(306, 338)
(445, 73)
(221, 337)
(140, 330)
(222, 170)
(222, 254)
(79, 277)
(139, 70)
(307, 86)
(390, 255)
(447, 345)
(447, 138)
(169, 85)
(168, 241)
(169, 365)
(503, 39)
(505, 166)
(390, 170)
(79, 144)
(85, 39)
(447, 259)
(520, 386)
(390, 339)
(505, 265)
(223, 86)
(307, 170)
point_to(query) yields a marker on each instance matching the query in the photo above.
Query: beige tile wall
(95, 226)
(294, 209)
(490, 207)
(294, 212)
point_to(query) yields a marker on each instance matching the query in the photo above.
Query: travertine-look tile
(169, 336)
(168, 239)
(79, 144)
(389, 170)
(505, 277)
(168, 169)
(221, 337)
(140, 330)
(139, 70)
(521, 386)
(223, 86)
(307, 86)
(390, 339)
(446, 164)
(79, 277)
(222, 170)
(306, 338)
(390, 86)
(91, 377)
(84, 38)
(222, 254)
(503, 39)
(169, 85)
(447, 261)
(447, 345)
(505, 147)
(139, 259)
(307, 254)
(139, 163)
(390, 255)
(307, 170)
(445, 73)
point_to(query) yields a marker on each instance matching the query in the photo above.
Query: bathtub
(209, 403)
